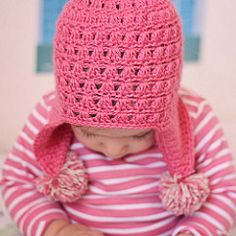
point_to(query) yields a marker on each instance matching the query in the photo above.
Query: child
(119, 149)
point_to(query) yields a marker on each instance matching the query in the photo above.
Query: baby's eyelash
(88, 135)
(140, 137)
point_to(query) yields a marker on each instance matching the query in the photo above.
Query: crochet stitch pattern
(118, 64)
(118, 67)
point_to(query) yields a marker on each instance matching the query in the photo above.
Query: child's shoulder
(48, 98)
(41, 112)
(194, 102)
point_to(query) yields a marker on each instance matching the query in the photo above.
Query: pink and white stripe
(123, 196)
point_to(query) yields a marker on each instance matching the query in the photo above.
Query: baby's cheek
(138, 146)
(94, 144)
(87, 142)
(90, 143)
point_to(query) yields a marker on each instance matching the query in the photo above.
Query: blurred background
(213, 76)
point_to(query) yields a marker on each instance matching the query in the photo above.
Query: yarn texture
(68, 185)
(118, 64)
(184, 196)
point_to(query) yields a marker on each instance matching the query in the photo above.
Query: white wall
(20, 87)
(214, 77)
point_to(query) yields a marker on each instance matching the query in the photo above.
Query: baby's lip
(115, 157)
(111, 157)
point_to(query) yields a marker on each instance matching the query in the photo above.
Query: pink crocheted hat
(118, 65)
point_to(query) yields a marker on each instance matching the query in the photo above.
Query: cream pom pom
(184, 195)
(68, 185)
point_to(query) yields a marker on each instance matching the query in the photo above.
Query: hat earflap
(65, 178)
(182, 190)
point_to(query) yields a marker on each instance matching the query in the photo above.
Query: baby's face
(115, 143)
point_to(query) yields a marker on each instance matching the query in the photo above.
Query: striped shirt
(123, 196)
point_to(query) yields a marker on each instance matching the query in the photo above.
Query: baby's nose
(116, 149)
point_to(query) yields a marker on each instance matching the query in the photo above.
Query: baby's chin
(111, 157)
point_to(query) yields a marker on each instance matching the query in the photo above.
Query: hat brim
(175, 141)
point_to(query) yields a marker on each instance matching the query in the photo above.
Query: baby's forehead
(115, 132)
